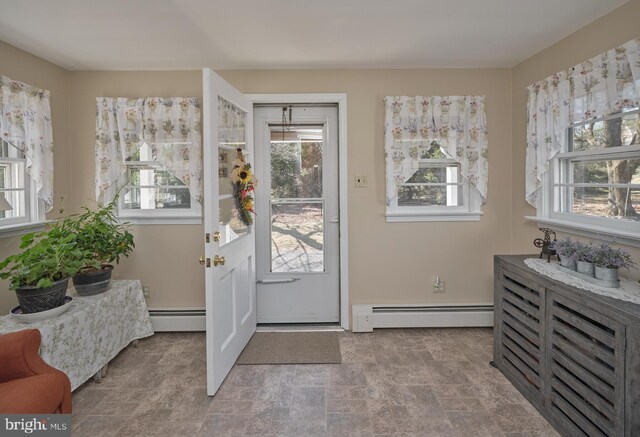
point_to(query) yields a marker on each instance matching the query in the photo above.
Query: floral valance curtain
(170, 126)
(25, 123)
(605, 84)
(457, 123)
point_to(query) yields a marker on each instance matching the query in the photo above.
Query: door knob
(201, 260)
(218, 260)
(216, 236)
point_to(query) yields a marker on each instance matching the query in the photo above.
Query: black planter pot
(34, 300)
(90, 283)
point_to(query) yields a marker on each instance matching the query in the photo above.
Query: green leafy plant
(45, 257)
(101, 235)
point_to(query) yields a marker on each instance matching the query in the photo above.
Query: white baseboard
(367, 317)
(178, 320)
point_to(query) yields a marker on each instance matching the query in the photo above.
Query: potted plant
(99, 233)
(40, 273)
(584, 258)
(609, 260)
(566, 250)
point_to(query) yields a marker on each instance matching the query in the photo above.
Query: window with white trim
(436, 155)
(19, 204)
(596, 179)
(152, 191)
(436, 191)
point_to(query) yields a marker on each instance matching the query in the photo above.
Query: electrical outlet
(146, 291)
(438, 285)
(361, 182)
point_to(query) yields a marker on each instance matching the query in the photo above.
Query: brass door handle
(218, 260)
(216, 236)
(201, 260)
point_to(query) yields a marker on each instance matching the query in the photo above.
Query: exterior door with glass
(297, 223)
(229, 242)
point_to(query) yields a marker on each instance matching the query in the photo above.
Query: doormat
(292, 348)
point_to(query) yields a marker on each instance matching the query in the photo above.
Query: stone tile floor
(395, 382)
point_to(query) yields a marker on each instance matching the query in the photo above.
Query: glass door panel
(231, 138)
(296, 201)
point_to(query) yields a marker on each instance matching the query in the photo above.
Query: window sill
(22, 228)
(398, 217)
(590, 231)
(167, 220)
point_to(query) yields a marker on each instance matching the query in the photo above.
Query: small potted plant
(608, 261)
(566, 250)
(584, 258)
(40, 273)
(99, 233)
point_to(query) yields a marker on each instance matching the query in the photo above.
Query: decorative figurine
(545, 244)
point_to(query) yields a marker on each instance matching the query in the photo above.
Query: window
(149, 151)
(436, 151)
(596, 179)
(19, 203)
(436, 191)
(152, 191)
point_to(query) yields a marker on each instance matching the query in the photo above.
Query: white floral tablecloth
(629, 290)
(92, 331)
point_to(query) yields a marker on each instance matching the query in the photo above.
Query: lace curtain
(457, 123)
(605, 84)
(170, 126)
(25, 123)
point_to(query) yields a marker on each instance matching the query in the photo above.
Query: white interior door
(229, 244)
(297, 226)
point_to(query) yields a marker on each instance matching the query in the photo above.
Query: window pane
(12, 174)
(18, 205)
(590, 172)
(612, 192)
(440, 175)
(620, 171)
(619, 203)
(231, 125)
(152, 176)
(296, 163)
(297, 237)
(225, 167)
(156, 198)
(434, 152)
(616, 132)
(231, 227)
(424, 196)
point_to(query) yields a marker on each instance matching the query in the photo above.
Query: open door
(229, 244)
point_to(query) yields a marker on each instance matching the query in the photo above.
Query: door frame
(341, 100)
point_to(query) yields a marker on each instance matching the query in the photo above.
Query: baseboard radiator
(367, 317)
(177, 320)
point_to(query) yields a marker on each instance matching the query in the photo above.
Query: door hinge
(207, 238)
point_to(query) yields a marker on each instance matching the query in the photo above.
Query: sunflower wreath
(244, 183)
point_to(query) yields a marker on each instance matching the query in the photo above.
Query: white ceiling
(243, 34)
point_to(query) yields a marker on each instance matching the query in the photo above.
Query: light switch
(361, 181)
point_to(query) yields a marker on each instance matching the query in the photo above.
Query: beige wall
(388, 262)
(22, 66)
(396, 262)
(166, 257)
(613, 29)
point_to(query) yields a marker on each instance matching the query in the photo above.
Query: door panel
(230, 285)
(297, 222)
